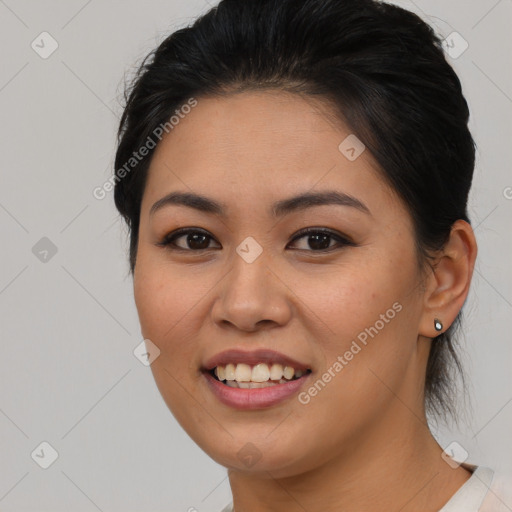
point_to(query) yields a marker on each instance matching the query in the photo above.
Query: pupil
(193, 239)
(318, 241)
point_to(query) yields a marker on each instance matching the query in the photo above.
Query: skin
(363, 441)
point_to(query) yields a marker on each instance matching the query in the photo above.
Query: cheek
(349, 299)
(366, 315)
(165, 296)
(164, 304)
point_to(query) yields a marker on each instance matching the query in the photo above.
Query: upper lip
(251, 358)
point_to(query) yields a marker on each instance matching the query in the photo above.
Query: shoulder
(499, 495)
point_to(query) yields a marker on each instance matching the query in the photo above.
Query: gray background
(69, 325)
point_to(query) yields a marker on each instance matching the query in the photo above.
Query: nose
(252, 296)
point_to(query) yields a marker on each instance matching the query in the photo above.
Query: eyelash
(168, 240)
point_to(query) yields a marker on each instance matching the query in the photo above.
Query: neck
(395, 466)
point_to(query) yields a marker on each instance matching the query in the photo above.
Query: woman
(295, 177)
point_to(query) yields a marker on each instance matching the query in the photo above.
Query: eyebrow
(278, 209)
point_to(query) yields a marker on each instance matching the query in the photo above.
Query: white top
(482, 492)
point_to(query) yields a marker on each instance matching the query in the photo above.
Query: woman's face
(345, 305)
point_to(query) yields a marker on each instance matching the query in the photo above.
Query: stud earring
(438, 325)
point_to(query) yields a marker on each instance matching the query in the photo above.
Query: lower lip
(257, 398)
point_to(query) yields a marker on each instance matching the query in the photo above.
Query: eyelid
(167, 241)
(342, 239)
(334, 234)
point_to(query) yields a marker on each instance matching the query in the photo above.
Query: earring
(438, 325)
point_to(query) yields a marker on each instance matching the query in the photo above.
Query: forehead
(272, 123)
(251, 144)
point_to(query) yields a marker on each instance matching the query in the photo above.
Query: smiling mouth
(261, 375)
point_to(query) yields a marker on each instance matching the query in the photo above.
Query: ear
(447, 286)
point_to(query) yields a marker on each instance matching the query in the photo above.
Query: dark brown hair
(385, 74)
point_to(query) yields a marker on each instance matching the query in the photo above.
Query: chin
(245, 456)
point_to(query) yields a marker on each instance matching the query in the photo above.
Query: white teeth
(243, 372)
(251, 385)
(276, 371)
(288, 372)
(260, 374)
(229, 371)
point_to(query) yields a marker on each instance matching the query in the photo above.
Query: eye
(319, 240)
(194, 240)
